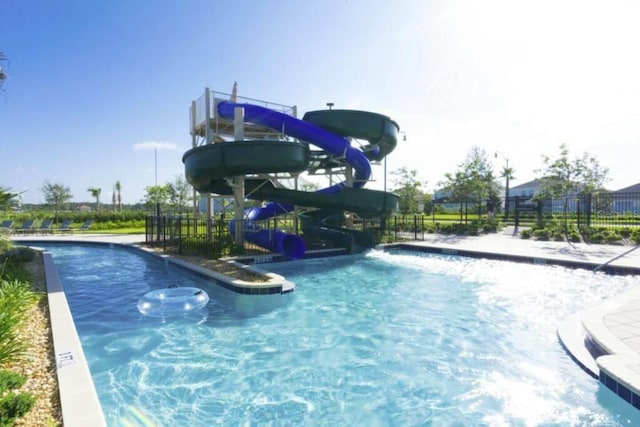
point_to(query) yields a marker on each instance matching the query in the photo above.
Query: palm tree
(507, 174)
(118, 188)
(95, 192)
(8, 199)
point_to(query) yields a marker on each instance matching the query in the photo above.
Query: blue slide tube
(305, 131)
(291, 245)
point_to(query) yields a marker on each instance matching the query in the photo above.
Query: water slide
(206, 168)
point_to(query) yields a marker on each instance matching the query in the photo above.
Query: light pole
(404, 138)
(507, 173)
(155, 158)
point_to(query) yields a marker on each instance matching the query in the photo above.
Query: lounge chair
(65, 227)
(6, 226)
(27, 227)
(45, 226)
(86, 225)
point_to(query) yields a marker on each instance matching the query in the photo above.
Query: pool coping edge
(79, 400)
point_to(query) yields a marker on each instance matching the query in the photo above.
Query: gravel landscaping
(39, 365)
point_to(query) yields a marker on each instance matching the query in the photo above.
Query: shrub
(542, 234)
(611, 235)
(604, 234)
(14, 405)
(472, 229)
(19, 254)
(16, 299)
(574, 236)
(5, 242)
(596, 237)
(526, 234)
(489, 226)
(10, 380)
(446, 228)
(625, 232)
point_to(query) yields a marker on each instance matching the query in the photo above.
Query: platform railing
(201, 105)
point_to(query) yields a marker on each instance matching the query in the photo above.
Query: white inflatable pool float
(172, 302)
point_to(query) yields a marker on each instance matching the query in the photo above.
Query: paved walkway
(612, 328)
(507, 244)
(85, 237)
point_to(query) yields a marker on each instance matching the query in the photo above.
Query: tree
(56, 195)
(95, 193)
(156, 196)
(408, 188)
(118, 189)
(474, 181)
(427, 209)
(564, 177)
(508, 174)
(179, 193)
(8, 199)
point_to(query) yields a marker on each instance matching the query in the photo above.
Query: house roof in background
(635, 188)
(534, 183)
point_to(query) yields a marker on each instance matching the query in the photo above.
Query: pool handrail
(604, 264)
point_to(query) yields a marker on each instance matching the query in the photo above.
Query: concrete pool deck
(604, 339)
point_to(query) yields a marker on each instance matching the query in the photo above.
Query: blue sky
(91, 82)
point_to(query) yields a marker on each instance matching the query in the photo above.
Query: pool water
(380, 339)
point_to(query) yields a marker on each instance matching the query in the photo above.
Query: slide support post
(238, 181)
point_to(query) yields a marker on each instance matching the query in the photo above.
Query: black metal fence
(583, 210)
(212, 237)
(607, 209)
(514, 210)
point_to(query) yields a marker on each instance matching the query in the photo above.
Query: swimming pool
(395, 338)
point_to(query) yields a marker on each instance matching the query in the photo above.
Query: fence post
(588, 209)
(579, 213)
(162, 231)
(210, 230)
(156, 220)
(466, 212)
(539, 213)
(179, 225)
(506, 208)
(395, 228)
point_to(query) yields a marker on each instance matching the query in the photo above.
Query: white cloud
(154, 145)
